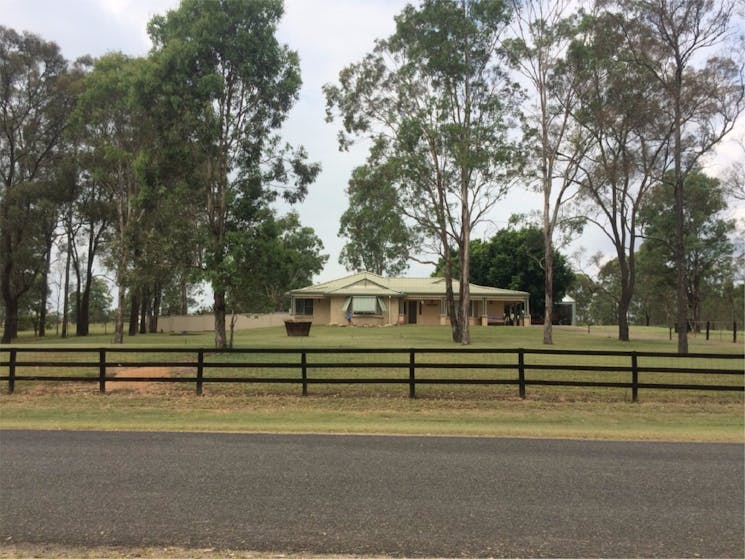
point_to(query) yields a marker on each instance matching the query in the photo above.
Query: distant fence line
(708, 326)
(520, 371)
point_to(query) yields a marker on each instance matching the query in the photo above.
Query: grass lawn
(476, 411)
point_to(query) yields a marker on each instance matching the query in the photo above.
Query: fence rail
(522, 367)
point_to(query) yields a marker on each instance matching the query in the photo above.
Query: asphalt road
(412, 496)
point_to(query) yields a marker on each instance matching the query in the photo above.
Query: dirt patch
(139, 387)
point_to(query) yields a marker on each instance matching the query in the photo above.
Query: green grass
(438, 410)
(599, 337)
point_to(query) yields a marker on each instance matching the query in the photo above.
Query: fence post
(734, 332)
(708, 326)
(412, 377)
(634, 377)
(304, 372)
(102, 371)
(521, 371)
(200, 372)
(12, 372)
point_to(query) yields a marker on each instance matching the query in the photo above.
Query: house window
(364, 304)
(304, 307)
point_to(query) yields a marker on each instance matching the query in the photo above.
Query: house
(367, 299)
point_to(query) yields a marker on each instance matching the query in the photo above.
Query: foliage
(235, 83)
(437, 107)
(557, 144)
(700, 95)
(275, 256)
(379, 239)
(513, 259)
(708, 249)
(35, 101)
(100, 301)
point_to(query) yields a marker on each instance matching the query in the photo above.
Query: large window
(364, 304)
(303, 306)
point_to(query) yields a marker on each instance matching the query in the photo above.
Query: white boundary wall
(206, 322)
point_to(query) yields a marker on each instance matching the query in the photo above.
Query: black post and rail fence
(414, 368)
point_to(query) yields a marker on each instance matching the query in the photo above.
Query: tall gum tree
(544, 30)
(618, 109)
(116, 125)
(236, 84)
(693, 52)
(34, 106)
(435, 101)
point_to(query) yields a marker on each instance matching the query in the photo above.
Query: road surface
(410, 496)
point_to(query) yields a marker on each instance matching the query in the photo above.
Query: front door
(412, 308)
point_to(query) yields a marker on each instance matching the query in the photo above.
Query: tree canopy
(513, 259)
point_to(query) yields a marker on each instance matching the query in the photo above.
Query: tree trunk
(624, 302)
(45, 289)
(66, 299)
(221, 341)
(183, 296)
(155, 311)
(465, 292)
(119, 321)
(623, 322)
(82, 328)
(10, 302)
(548, 286)
(134, 312)
(10, 325)
(145, 309)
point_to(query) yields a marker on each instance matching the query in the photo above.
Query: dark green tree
(379, 239)
(701, 92)
(100, 302)
(280, 255)
(513, 259)
(117, 129)
(438, 107)
(34, 106)
(709, 251)
(235, 83)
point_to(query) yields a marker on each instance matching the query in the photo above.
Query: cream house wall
(429, 312)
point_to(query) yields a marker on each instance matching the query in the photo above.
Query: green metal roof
(367, 283)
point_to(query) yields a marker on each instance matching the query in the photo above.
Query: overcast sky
(328, 35)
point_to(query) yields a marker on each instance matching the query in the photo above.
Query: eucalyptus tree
(116, 128)
(702, 91)
(544, 31)
(380, 241)
(235, 84)
(435, 100)
(709, 251)
(274, 256)
(34, 105)
(618, 109)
